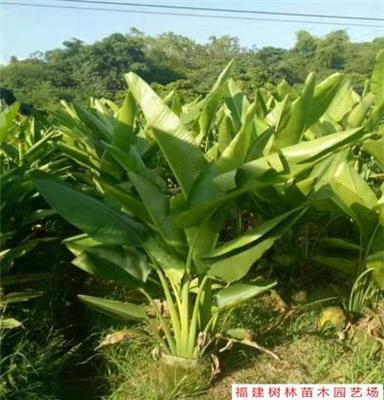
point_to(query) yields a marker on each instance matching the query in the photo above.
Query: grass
(132, 373)
(30, 368)
(310, 359)
(37, 366)
(42, 360)
(306, 353)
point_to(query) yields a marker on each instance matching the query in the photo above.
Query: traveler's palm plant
(167, 183)
(350, 184)
(24, 146)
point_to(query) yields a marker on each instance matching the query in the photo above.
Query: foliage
(306, 355)
(25, 144)
(78, 70)
(196, 200)
(170, 250)
(170, 179)
(30, 368)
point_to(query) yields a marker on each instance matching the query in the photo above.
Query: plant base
(178, 374)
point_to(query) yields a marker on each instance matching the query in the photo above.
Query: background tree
(79, 70)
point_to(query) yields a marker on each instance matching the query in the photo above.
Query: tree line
(79, 70)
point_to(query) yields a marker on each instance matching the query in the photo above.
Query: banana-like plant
(167, 181)
(25, 144)
(350, 184)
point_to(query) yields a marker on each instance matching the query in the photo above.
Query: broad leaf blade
(376, 261)
(127, 259)
(235, 267)
(172, 266)
(292, 132)
(377, 80)
(6, 119)
(115, 309)
(94, 217)
(175, 141)
(251, 236)
(212, 101)
(235, 295)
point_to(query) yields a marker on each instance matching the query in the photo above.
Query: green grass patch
(307, 355)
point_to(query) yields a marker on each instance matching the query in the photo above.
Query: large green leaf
(225, 132)
(204, 193)
(358, 114)
(92, 121)
(314, 149)
(79, 243)
(155, 200)
(94, 217)
(377, 80)
(124, 128)
(280, 114)
(237, 104)
(235, 295)
(376, 261)
(211, 101)
(203, 238)
(115, 309)
(342, 103)
(272, 166)
(170, 263)
(235, 267)
(9, 323)
(6, 119)
(251, 236)
(285, 89)
(292, 131)
(375, 117)
(80, 156)
(323, 96)
(307, 109)
(123, 264)
(345, 188)
(175, 141)
(259, 146)
(252, 245)
(37, 149)
(236, 152)
(128, 202)
(103, 269)
(131, 260)
(20, 297)
(376, 149)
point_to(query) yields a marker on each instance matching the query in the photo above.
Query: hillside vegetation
(79, 70)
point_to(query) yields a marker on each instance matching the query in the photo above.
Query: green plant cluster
(188, 205)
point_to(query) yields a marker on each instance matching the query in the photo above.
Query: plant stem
(172, 309)
(193, 325)
(167, 333)
(184, 317)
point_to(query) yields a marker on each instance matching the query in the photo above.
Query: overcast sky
(25, 30)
